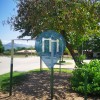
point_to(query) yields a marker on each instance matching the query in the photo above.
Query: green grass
(64, 62)
(67, 58)
(5, 80)
(19, 77)
(48, 70)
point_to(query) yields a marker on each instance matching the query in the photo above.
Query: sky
(8, 9)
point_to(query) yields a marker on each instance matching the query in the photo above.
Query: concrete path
(28, 63)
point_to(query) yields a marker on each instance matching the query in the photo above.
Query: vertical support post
(60, 66)
(61, 59)
(85, 85)
(11, 68)
(52, 78)
(52, 72)
(40, 64)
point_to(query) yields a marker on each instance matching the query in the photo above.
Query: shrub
(66, 51)
(93, 78)
(80, 59)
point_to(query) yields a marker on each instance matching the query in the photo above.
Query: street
(28, 63)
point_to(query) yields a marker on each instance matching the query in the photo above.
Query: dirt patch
(37, 87)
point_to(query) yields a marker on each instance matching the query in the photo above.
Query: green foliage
(62, 62)
(75, 17)
(7, 52)
(55, 70)
(76, 20)
(1, 47)
(66, 51)
(20, 48)
(80, 59)
(92, 44)
(24, 48)
(92, 71)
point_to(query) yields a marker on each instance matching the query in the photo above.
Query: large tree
(76, 20)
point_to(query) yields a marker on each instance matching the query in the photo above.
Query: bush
(66, 51)
(93, 78)
(7, 53)
(80, 59)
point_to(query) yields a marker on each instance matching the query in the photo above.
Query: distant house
(96, 54)
(88, 53)
(26, 52)
(91, 54)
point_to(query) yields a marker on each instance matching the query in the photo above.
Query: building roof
(26, 51)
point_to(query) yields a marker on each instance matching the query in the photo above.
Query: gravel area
(37, 87)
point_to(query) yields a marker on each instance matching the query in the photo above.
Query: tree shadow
(38, 85)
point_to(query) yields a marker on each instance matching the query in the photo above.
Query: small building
(26, 52)
(96, 54)
(91, 54)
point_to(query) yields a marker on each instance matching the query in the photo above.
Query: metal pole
(11, 68)
(52, 78)
(40, 64)
(61, 60)
(60, 66)
(52, 72)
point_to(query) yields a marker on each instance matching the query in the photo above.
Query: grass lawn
(19, 77)
(5, 80)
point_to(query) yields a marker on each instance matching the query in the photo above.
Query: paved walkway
(28, 63)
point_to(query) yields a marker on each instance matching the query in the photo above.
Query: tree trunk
(68, 45)
(74, 56)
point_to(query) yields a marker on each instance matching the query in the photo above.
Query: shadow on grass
(37, 84)
(18, 77)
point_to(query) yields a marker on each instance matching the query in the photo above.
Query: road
(27, 63)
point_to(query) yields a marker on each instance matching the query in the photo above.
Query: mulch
(37, 87)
